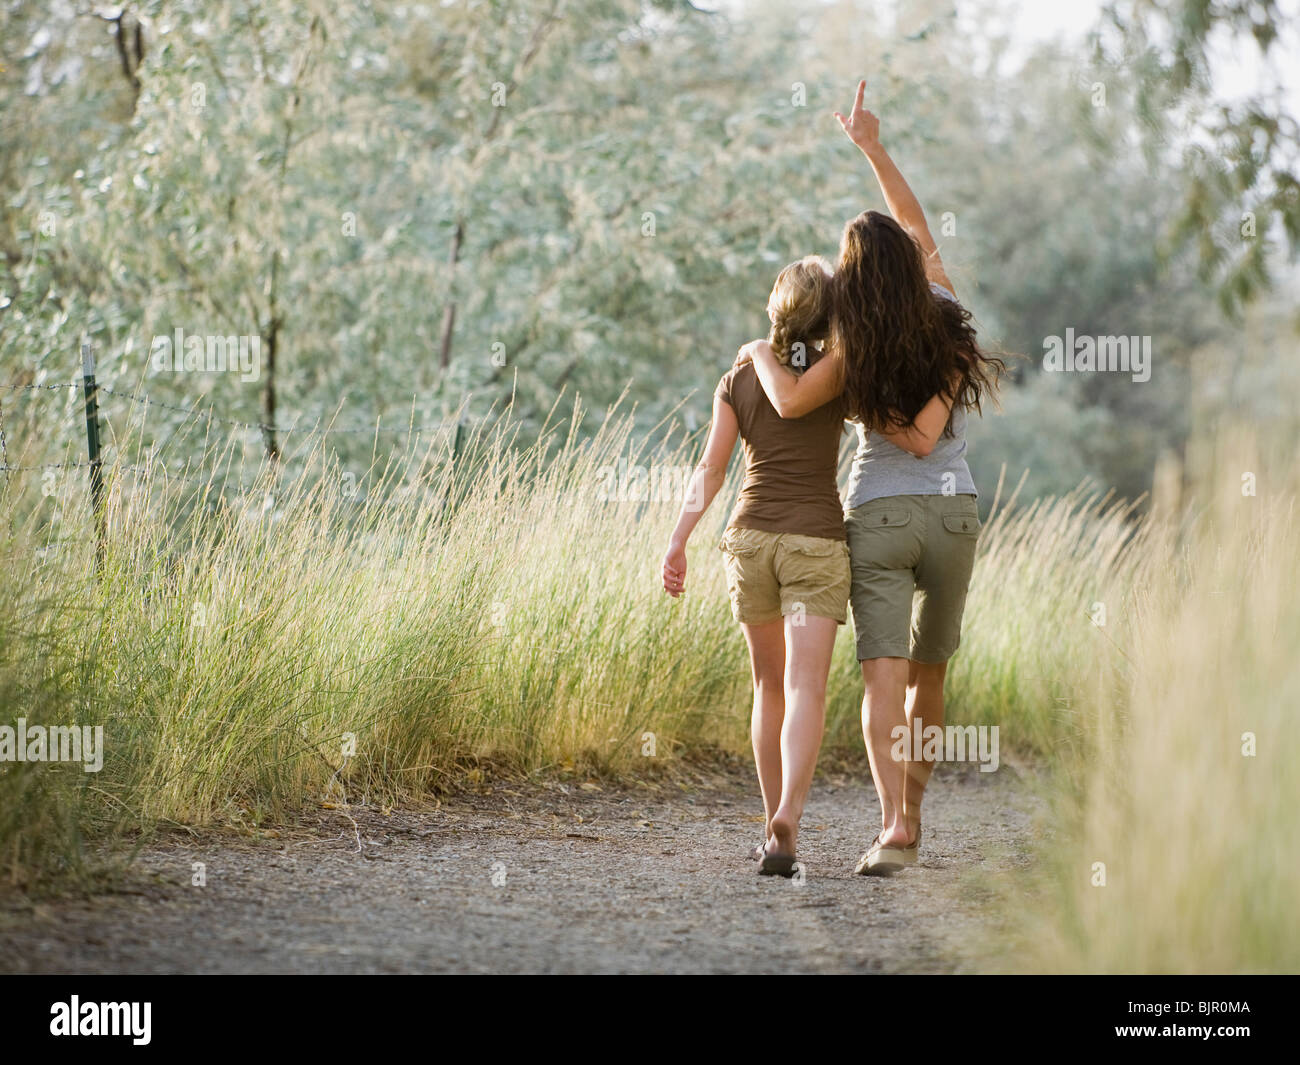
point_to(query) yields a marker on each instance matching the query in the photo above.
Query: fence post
(92, 448)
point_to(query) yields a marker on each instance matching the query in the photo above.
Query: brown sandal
(773, 864)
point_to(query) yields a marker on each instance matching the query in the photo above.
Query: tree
(1242, 156)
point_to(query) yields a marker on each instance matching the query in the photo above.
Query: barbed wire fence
(92, 390)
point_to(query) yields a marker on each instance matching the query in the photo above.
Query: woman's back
(790, 463)
(882, 468)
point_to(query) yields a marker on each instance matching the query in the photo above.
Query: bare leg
(809, 647)
(883, 715)
(924, 709)
(767, 663)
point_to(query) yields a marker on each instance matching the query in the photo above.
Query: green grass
(493, 605)
(488, 605)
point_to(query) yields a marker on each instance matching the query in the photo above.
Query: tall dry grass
(246, 650)
(258, 640)
(1176, 829)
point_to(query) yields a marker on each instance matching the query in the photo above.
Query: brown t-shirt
(790, 463)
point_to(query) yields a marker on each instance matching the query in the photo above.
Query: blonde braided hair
(800, 310)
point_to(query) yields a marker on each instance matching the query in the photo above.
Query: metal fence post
(92, 448)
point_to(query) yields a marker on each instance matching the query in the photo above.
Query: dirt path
(550, 878)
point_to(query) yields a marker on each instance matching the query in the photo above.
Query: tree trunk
(272, 338)
(449, 313)
(130, 63)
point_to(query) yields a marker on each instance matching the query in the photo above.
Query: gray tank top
(883, 469)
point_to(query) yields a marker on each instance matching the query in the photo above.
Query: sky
(1039, 21)
(1237, 75)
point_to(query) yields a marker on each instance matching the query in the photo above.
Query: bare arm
(704, 484)
(920, 437)
(863, 129)
(792, 396)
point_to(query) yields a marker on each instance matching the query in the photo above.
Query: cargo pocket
(739, 547)
(739, 543)
(811, 561)
(882, 538)
(812, 546)
(962, 524)
(881, 519)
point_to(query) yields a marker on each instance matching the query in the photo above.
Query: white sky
(1236, 74)
(1039, 21)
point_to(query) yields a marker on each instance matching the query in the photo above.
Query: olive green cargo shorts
(912, 559)
(772, 574)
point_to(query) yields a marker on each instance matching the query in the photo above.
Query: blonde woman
(786, 556)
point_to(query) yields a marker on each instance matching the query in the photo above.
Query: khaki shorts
(771, 574)
(912, 561)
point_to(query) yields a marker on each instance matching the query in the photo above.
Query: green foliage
(1240, 157)
(625, 180)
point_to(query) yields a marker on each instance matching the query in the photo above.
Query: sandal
(912, 850)
(881, 860)
(773, 864)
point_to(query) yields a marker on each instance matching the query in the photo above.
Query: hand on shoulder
(746, 353)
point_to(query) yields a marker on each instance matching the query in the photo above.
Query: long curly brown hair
(900, 343)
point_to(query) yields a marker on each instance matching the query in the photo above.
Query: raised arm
(863, 129)
(792, 396)
(704, 484)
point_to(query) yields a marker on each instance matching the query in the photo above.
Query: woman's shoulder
(940, 290)
(723, 387)
(735, 375)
